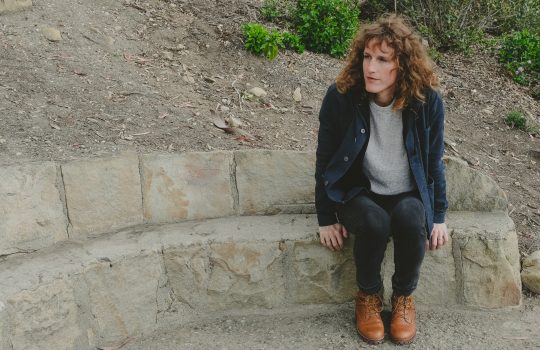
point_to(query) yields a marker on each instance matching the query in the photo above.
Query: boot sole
(403, 342)
(370, 341)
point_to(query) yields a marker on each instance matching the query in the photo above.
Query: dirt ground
(332, 327)
(158, 75)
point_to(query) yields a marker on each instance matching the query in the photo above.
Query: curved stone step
(43, 203)
(87, 293)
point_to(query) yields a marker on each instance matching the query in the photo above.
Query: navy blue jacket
(343, 139)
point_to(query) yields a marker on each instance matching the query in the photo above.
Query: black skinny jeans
(373, 219)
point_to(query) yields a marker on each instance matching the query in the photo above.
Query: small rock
(535, 153)
(168, 55)
(297, 95)
(257, 91)
(487, 111)
(2, 141)
(530, 275)
(52, 34)
(224, 108)
(189, 79)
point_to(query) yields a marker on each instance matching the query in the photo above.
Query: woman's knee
(363, 216)
(408, 217)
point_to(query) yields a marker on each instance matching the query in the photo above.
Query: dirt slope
(156, 75)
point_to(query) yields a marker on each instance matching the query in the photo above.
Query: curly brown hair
(415, 72)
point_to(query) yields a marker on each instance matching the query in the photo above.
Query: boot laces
(402, 304)
(373, 304)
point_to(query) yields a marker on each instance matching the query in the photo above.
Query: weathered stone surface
(103, 194)
(267, 180)
(187, 186)
(246, 274)
(45, 318)
(4, 326)
(487, 259)
(530, 275)
(188, 270)
(32, 215)
(469, 190)
(14, 5)
(437, 284)
(122, 297)
(322, 276)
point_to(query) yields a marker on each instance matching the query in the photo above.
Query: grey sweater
(386, 164)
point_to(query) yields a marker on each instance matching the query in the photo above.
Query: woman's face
(380, 72)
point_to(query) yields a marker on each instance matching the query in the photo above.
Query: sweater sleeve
(327, 145)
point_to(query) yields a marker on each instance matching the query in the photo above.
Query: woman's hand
(439, 236)
(332, 236)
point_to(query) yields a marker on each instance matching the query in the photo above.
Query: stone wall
(94, 251)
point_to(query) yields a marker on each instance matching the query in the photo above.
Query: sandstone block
(322, 276)
(469, 190)
(437, 284)
(246, 274)
(188, 274)
(103, 194)
(122, 297)
(187, 186)
(267, 180)
(530, 275)
(32, 214)
(487, 260)
(45, 318)
(14, 5)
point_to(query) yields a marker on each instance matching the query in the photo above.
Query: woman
(379, 170)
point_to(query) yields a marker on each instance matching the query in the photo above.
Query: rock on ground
(530, 276)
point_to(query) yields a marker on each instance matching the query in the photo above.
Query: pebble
(297, 95)
(52, 34)
(168, 55)
(257, 91)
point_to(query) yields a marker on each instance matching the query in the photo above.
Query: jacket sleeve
(436, 151)
(327, 145)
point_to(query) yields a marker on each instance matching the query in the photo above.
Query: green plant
(293, 42)
(516, 120)
(520, 53)
(270, 10)
(326, 26)
(536, 92)
(261, 41)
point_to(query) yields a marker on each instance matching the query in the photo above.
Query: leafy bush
(536, 92)
(520, 53)
(326, 26)
(460, 24)
(274, 10)
(260, 40)
(516, 120)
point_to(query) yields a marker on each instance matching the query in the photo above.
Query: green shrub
(270, 10)
(277, 10)
(293, 42)
(260, 41)
(536, 92)
(516, 120)
(520, 53)
(326, 26)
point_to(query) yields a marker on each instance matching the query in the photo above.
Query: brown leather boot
(403, 324)
(368, 318)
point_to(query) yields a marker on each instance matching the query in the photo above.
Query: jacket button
(326, 182)
(363, 131)
(346, 158)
